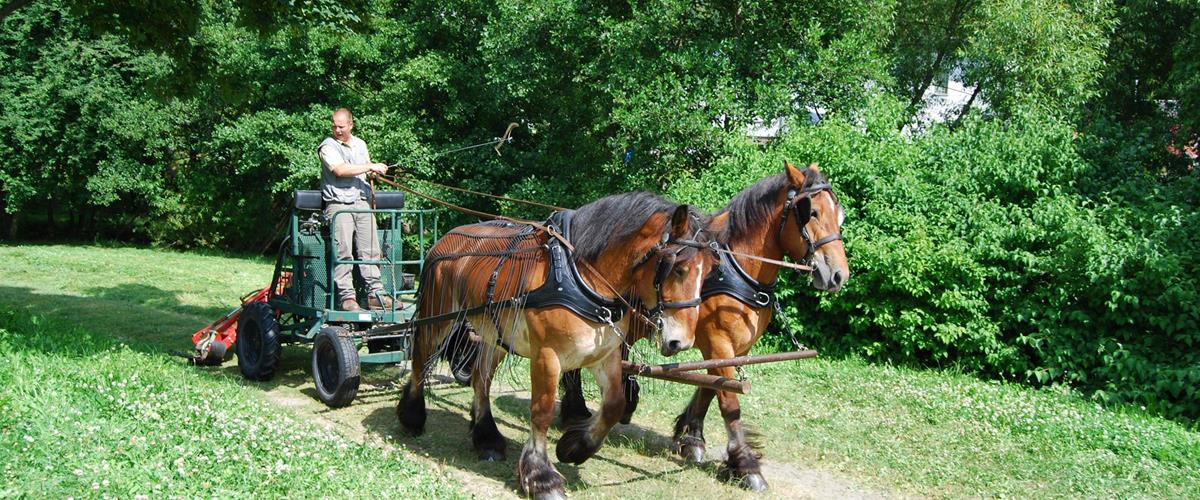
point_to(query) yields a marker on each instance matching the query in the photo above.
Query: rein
(653, 319)
(653, 315)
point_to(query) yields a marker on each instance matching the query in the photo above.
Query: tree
(1041, 53)
(926, 42)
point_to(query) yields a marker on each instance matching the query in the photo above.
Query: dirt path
(635, 462)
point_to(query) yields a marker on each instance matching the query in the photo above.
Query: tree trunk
(947, 46)
(966, 107)
(13, 223)
(12, 6)
(50, 218)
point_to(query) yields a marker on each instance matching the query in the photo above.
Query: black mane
(753, 205)
(599, 224)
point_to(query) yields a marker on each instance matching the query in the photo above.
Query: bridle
(800, 201)
(666, 261)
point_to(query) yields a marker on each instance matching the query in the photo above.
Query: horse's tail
(480, 269)
(434, 298)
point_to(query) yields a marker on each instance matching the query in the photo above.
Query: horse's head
(811, 227)
(668, 276)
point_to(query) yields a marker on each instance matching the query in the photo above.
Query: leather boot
(377, 300)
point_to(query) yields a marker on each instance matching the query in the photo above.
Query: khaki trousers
(354, 231)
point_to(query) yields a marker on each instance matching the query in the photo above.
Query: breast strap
(565, 287)
(730, 279)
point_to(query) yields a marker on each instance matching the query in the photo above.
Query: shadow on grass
(146, 318)
(447, 436)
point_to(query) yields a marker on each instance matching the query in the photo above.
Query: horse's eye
(681, 271)
(816, 215)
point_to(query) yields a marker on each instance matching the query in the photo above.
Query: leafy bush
(976, 249)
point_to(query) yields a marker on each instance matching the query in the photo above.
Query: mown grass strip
(85, 415)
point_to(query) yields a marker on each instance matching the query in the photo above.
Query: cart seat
(308, 200)
(389, 200)
(384, 200)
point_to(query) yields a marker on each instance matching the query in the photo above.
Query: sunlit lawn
(893, 430)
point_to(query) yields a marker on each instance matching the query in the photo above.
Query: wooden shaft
(715, 382)
(715, 363)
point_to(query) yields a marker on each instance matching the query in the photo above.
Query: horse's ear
(795, 176)
(719, 223)
(679, 222)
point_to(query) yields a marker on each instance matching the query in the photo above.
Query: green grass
(882, 429)
(86, 415)
(945, 434)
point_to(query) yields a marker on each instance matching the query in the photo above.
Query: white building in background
(943, 101)
(763, 132)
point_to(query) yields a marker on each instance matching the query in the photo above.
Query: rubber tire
(257, 345)
(335, 367)
(462, 362)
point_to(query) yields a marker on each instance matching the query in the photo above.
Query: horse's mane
(601, 223)
(753, 205)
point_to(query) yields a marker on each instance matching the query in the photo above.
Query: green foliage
(976, 249)
(1047, 52)
(1048, 239)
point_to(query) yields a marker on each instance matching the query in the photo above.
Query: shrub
(976, 248)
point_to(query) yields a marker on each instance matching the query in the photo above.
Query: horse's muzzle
(828, 278)
(675, 337)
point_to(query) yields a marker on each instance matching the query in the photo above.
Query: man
(345, 164)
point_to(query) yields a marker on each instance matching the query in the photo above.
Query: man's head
(343, 123)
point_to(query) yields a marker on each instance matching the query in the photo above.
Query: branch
(967, 106)
(949, 44)
(12, 6)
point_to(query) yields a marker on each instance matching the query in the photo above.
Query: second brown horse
(794, 213)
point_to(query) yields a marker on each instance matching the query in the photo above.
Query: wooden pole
(675, 368)
(715, 382)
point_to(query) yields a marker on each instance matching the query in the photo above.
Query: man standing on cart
(345, 164)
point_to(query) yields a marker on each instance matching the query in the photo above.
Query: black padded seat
(389, 200)
(308, 200)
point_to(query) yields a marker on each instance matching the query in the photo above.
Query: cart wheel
(257, 343)
(335, 367)
(462, 362)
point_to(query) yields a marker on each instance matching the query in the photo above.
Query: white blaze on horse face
(674, 336)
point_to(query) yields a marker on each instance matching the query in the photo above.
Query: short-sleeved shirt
(343, 189)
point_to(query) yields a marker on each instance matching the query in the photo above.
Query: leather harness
(564, 285)
(730, 279)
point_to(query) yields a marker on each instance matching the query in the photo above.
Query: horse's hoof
(692, 453)
(754, 482)
(575, 446)
(411, 413)
(491, 455)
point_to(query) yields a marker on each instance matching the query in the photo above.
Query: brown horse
(794, 213)
(520, 288)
